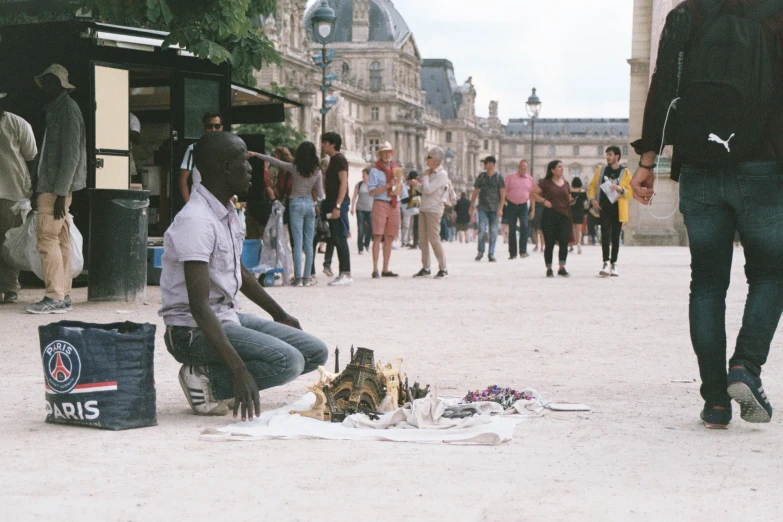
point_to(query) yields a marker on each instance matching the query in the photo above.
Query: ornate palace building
(386, 91)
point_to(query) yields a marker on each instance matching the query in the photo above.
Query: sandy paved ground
(614, 344)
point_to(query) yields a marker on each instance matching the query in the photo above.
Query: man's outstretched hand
(288, 320)
(643, 185)
(246, 395)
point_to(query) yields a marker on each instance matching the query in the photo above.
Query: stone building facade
(386, 91)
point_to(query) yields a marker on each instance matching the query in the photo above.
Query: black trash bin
(118, 245)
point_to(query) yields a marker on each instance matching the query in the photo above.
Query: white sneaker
(195, 384)
(604, 271)
(342, 280)
(613, 272)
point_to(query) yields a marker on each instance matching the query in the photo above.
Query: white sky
(574, 52)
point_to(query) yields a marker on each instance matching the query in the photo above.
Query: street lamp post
(533, 107)
(323, 20)
(449, 160)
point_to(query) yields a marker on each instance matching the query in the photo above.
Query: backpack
(449, 196)
(728, 86)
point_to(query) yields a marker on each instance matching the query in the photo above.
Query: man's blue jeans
(487, 219)
(274, 353)
(715, 202)
(302, 221)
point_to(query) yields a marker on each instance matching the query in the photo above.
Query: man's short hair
(213, 149)
(209, 116)
(615, 149)
(490, 159)
(334, 139)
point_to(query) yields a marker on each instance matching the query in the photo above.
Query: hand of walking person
(246, 395)
(336, 213)
(548, 204)
(288, 320)
(59, 207)
(596, 204)
(353, 211)
(642, 185)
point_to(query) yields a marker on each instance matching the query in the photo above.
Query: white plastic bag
(20, 248)
(276, 250)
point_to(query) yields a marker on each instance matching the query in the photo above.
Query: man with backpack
(609, 193)
(718, 85)
(490, 192)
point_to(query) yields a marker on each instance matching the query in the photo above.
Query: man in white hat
(17, 151)
(385, 179)
(62, 170)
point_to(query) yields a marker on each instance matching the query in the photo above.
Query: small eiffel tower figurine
(337, 360)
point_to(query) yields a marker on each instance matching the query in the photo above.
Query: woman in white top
(306, 189)
(432, 186)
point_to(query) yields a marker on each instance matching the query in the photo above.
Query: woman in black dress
(578, 212)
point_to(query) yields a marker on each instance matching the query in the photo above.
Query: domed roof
(386, 23)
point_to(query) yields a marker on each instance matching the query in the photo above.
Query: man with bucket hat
(17, 151)
(386, 188)
(62, 170)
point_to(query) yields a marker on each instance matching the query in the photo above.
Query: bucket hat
(60, 72)
(385, 147)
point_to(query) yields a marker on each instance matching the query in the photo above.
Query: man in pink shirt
(519, 184)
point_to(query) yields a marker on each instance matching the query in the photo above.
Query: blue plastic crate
(155, 257)
(251, 253)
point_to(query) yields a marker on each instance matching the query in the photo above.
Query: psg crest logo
(62, 366)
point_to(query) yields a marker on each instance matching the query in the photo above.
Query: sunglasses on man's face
(214, 126)
(430, 157)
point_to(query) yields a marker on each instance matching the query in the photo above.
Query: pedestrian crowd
(414, 211)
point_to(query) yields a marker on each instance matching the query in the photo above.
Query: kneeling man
(227, 357)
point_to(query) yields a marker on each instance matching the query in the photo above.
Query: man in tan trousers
(62, 170)
(433, 186)
(17, 151)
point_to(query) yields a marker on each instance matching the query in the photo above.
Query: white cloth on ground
(281, 424)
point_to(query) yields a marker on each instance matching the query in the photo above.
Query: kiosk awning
(253, 106)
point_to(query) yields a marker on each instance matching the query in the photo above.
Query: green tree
(277, 134)
(218, 30)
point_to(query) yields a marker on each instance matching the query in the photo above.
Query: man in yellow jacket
(609, 193)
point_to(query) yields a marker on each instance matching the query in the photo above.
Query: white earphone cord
(660, 153)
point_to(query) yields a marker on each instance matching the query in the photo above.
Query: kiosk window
(201, 96)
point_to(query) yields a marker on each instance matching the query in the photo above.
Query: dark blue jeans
(717, 201)
(517, 214)
(364, 232)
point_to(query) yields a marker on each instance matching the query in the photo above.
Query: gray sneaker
(68, 303)
(46, 305)
(10, 298)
